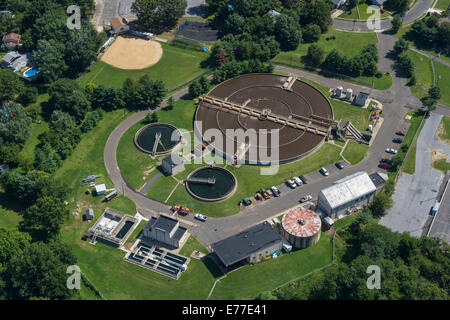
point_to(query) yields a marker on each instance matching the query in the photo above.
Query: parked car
(324, 171)
(297, 181)
(306, 198)
(200, 217)
(400, 132)
(259, 196)
(397, 140)
(291, 183)
(390, 150)
(304, 180)
(246, 201)
(386, 160)
(265, 194)
(384, 165)
(339, 165)
(275, 191)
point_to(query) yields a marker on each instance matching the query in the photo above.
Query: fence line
(93, 287)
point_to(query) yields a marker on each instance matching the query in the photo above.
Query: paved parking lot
(415, 194)
(195, 8)
(106, 10)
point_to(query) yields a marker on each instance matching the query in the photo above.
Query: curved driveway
(397, 101)
(414, 13)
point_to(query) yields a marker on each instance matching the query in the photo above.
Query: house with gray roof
(15, 61)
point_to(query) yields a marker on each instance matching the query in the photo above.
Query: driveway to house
(415, 194)
(420, 8)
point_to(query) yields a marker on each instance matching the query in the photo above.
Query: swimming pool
(30, 72)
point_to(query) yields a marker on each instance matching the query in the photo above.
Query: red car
(400, 133)
(384, 165)
(382, 10)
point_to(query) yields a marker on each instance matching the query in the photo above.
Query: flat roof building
(347, 193)
(172, 164)
(247, 246)
(100, 189)
(166, 230)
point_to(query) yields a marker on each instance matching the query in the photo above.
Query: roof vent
(301, 221)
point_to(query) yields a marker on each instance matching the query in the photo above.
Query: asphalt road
(415, 194)
(440, 226)
(414, 13)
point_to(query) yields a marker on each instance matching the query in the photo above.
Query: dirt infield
(132, 53)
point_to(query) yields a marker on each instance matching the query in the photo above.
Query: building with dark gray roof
(378, 179)
(166, 230)
(172, 164)
(248, 246)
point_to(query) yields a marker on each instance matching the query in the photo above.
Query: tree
(396, 24)
(311, 33)
(40, 272)
(381, 203)
(316, 12)
(195, 89)
(67, 96)
(434, 92)
(235, 24)
(28, 95)
(46, 158)
(49, 59)
(155, 13)
(400, 46)
(315, 55)
(10, 85)
(287, 32)
(14, 124)
(45, 217)
(406, 64)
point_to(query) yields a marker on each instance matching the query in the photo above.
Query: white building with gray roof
(347, 193)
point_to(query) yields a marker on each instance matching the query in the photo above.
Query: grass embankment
(444, 133)
(132, 162)
(364, 14)
(348, 43)
(354, 152)
(248, 282)
(177, 66)
(409, 164)
(442, 4)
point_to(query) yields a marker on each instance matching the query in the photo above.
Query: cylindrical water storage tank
(301, 227)
(349, 94)
(339, 91)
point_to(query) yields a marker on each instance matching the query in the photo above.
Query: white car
(390, 150)
(297, 181)
(275, 191)
(324, 171)
(291, 183)
(200, 217)
(306, 198)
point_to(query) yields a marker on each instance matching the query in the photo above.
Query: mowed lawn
(442, 4)
(348, 43)
(354, 152)
(249, 180)
(248, 282)
(444, 134)
(176, 67)
(133, 162)
(424, 77)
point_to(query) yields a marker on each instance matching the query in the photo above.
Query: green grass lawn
(249, 180)
(423, 74)
(445, 133)
(133, 162)
(248, 282)
(9, 219)
(28, 149)
(442, 4)
(354, 152)
(176, 67)
(409, 164)
(348, 43)
(441, 164)
(364, 14)
(444, 82)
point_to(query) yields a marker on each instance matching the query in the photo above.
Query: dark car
(397, 140)
(384, 165)
(386, 160)
(339, 165)
(400, 133)
(304, 180)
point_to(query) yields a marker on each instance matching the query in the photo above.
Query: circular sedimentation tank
(211, 184)
(301, 227)
(276, 102)
(169, 138)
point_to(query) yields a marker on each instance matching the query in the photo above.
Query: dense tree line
(428, 33)
(156, 14)
(411, 268)
(363, 64)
